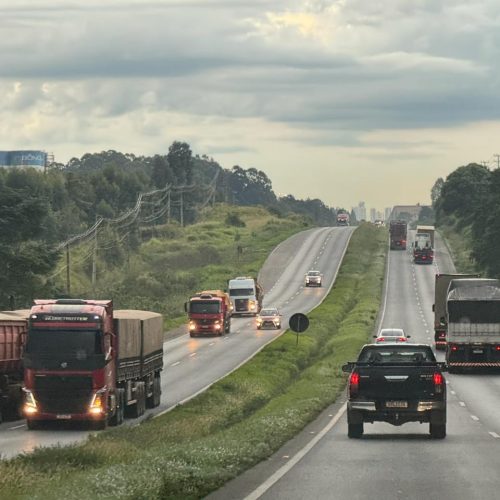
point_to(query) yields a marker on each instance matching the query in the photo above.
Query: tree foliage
(470, 198)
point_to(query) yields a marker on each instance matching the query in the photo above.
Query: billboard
(27, 158)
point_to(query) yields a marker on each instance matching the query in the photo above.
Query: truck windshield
(79, 344)
(205, 307)
(474, 311)
(241, 292)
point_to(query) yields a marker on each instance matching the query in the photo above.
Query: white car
(269, 317)
(313, 278)
(391, 336)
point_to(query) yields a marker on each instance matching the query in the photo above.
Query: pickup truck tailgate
(396, 382)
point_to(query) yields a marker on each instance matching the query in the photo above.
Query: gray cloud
(338, 66)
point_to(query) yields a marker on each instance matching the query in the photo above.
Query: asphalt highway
(393, 462)
(193, 364)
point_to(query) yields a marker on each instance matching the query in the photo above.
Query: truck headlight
(97, 404)
(192, 325)
(252, 304)
(30, 406)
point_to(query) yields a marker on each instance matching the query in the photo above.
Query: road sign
(299, 322)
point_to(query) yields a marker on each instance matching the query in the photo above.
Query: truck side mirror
(186, 306)
(433, 307)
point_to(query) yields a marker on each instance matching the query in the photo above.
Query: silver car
(391, 336)
(269, 317)
(313, 278)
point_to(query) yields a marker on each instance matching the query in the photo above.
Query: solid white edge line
(17, 427)
(494, 434)
(258, 492)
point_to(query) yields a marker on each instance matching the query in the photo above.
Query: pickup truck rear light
(438, 382)
(402, 339)
(497, 348)
(454, 348)
(380, 339)
(353, 383)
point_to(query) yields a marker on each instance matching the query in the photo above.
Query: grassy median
(238, 422)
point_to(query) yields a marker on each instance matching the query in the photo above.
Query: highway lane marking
(17, 427)
(453, 392)
(476, 419)
(192, 354)
(213, 343)
(494, 434)
(461, 403)
(258, 492)
(176, 363)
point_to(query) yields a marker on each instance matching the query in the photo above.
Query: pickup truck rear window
(397, 355)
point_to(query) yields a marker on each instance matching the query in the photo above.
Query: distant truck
(246, 296)
(85, 362)
(473, 319)
(441, 284)
(13, 330)
(209, 312)
(342, 219)
(398, 235)
(423, 251)
(430, 230)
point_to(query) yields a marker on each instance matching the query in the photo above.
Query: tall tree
(180, 159)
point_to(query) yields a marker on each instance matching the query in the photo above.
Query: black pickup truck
(396, 383)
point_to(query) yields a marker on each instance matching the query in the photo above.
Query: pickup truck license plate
(63, 417)
(396, 404)
(477, 351)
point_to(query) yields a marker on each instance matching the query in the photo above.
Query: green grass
(238, 422)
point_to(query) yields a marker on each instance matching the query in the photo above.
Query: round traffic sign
(299, 322)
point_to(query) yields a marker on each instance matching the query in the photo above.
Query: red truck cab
(208, 314)
(69, 361)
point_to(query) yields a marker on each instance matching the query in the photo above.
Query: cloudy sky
(345, 100)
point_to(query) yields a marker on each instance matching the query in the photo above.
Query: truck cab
(246, 296)
(208, 314)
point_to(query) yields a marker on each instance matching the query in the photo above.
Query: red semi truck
(398, 233)
(209, 312)
(13, 329)
(85, 362)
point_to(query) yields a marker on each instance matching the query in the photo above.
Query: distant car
(314, 278)
(391, 335)
(269, 317)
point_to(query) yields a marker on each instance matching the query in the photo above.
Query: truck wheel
(154, 400)
(137, 409)
(355, 430)
(119, 415)
(228, 326)
(437, 431)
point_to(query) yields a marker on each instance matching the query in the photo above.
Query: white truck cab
(246, 295)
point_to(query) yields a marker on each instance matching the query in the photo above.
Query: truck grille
(63, 394)
(241, 305)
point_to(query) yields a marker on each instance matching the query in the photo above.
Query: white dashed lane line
(461, 403)
(494, 434)
(476, 419)
(17, 427)
(176, 363)
(192, 354)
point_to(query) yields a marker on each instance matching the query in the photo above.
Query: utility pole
(68, 282)
(497, 157)
(168, 207)
(182, 209)
(94, 262)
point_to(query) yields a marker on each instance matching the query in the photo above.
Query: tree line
(38, 209)
(468, 200)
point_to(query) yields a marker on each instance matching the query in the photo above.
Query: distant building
(360, 211)
(373, 214)
(387, 213)
(23, 158)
